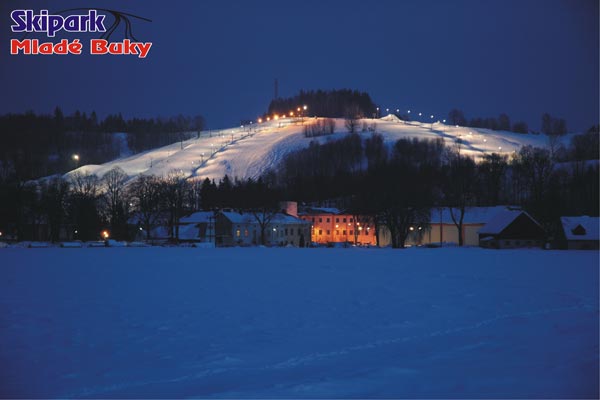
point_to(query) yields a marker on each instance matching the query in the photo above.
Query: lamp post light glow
(105, 235)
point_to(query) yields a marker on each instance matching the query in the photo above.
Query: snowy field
(298, 323)
(239, 154)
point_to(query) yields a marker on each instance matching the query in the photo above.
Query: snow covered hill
(247, 153)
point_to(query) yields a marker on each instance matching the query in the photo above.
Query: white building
(581, 233)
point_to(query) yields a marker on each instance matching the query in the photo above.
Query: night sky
(220, 58)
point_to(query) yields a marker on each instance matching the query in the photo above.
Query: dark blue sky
(219, 58)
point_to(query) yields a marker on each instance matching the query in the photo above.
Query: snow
(501, 220)
(590, 224)
(241, 154)
(298, 323)
(198, 217)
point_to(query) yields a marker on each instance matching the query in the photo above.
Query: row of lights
(299, 110)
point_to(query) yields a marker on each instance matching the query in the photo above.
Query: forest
(34, 145)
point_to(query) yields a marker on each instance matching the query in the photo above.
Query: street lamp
(76, 159)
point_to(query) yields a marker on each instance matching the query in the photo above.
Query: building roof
(198, 217)
(503, 219)
(473, 215)
(281, 218)
(249, 218)
(319, 210)
(581, 228)
(239, 218)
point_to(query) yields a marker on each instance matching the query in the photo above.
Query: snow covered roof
(188, 232)
(248, 218)
(197, 217)
(239, 218)
(281, 218)
(319, 210)
(581, 228)
(473, 215)
(502, 219)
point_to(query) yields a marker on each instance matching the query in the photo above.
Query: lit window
(237, 233)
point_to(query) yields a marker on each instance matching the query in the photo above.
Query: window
(366, 233)
(344, 220)
(327, 219)
(328, 232)
(352, 232)
(237, 232)
(337, 220)
(313, 219)
(320, 231)
(246, 232)
(320, 219)
(337, 233)
(286, 232)
(344, 232)
(299, 232)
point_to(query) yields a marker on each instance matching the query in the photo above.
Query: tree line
(396, 186)
(326, 103)
(550, 125)
(34, 145)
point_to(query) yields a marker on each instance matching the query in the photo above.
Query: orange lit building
(330, 225)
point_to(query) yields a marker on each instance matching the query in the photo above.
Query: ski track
(311, 358)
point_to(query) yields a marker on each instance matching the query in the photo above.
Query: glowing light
(291, 113)
(259, 120)
(305, 107)
(105, 234)
(268, 118)
(411, 228)
(298, 109)
(276, 117)
(76, 157)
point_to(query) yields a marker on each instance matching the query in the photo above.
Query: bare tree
(145, 194)
(460, 189)
(115, 199)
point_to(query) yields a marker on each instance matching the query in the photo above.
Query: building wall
(431, 234)
(339, 228)
(583, 244)
(282, 234)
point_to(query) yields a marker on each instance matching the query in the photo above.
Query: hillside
(243, 153)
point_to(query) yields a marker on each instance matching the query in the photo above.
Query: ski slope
(247, 152)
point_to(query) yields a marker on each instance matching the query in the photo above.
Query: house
(330, 225)
(198, 227)
(581, 233)
(511, 228)
(243, 229)
(442, 228)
